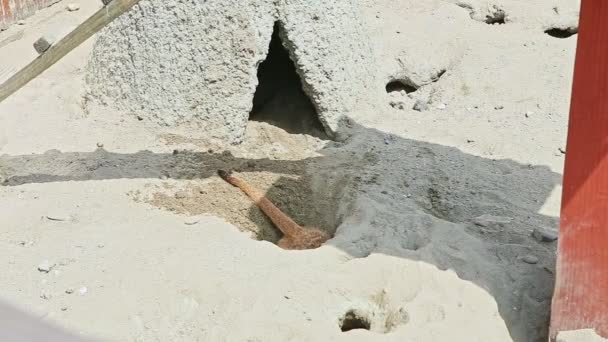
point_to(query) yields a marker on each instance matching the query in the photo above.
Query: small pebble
(45, 266)
(140, 118)
(101, 245)
(58, 217)
(83, 290)
(529, 114)
(470, 141)
(43, 44)
(69, 290)
(499, 107)
(397, 104)
(544, 235)
(64, 308)
(45, 295)
(192, 220)
(99, 144)
(73, 7)
(441, 106)
(487, 220)
(530, 259)
(181, 194)
(21, 22)
(421, 106)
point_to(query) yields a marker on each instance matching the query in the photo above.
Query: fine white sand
(433, 210)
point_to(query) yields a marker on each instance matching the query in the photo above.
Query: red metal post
(12, 10)
(580, 300)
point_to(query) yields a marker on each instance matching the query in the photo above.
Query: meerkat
(294, 235)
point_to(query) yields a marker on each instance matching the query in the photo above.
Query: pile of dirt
(280, 164)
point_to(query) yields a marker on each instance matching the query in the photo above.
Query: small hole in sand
(497, 17)
(354, 320)
(561, 32)
(396, 86)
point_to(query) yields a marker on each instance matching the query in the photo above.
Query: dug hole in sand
(427, 136)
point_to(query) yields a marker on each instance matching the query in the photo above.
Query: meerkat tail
(283, 222)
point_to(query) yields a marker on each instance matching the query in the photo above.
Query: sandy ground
(433, 211)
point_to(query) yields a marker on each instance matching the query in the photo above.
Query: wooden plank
(73, 39)
(580, 300)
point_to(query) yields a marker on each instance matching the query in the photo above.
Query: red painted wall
(13, 10)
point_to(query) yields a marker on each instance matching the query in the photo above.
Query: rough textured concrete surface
(194, 63)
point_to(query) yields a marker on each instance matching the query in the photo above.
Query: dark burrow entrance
(353, 320)
(561, 32)
(396, 86)
(279, 99)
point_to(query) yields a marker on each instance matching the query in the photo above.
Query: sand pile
(195, 64)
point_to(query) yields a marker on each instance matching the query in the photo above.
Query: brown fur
(294, 235)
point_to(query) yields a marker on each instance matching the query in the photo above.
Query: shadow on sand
(380, 194)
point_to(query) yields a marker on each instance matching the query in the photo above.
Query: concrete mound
(195, 64)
